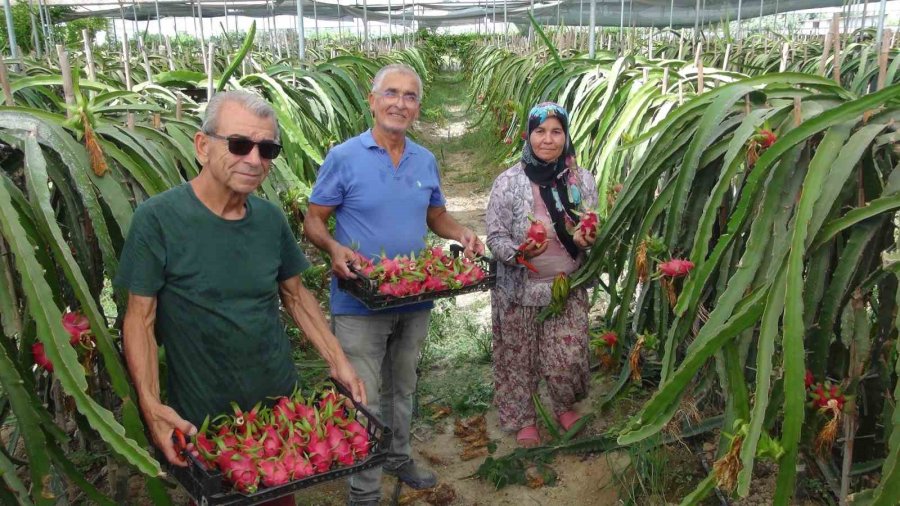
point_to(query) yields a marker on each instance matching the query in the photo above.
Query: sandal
(568, 419)
(528, 436)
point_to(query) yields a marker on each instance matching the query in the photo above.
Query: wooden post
(129, 121)
(209, 73)
(883, 59)
(798, 112)
(89, 54)
(727, 56)
(126, 60)
(665, 81)
(681, 45)
(147, 68)
(179, 108)
(169, 53)
(699, 76)
(746, 105)
(4, 82)
(157, 121)
(680, 93)
(836, 39)
(826, 49)
(66, 71)
(785, 50)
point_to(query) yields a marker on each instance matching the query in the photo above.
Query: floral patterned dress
(526, 351)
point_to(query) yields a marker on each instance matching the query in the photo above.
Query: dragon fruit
(77, 325)
(241, 470)
(536, 232)
(271, 442)
(297, 465)
(676, 268)
(273, 472)
(320, 455)
(40, 358)
(587, 225)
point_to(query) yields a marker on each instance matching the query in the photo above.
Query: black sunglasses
(241, 146)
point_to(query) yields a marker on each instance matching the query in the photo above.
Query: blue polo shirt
(379, 208)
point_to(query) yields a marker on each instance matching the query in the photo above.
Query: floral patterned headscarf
(554, 178)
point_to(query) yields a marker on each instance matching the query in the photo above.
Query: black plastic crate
(366, 290)
(209, 486)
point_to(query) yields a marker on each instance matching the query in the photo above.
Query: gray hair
(253, 103)
(395, 68)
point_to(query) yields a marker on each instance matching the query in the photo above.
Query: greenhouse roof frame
(641, 13)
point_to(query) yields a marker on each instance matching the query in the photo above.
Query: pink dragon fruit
(273, 472)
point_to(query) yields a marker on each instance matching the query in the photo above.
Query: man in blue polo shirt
(385, 193)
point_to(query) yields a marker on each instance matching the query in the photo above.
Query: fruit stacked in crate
(296, 438)
(433, 270)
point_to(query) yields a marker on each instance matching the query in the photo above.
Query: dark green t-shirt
(216, 284)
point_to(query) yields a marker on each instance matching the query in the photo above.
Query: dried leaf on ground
(534, 478)
(441, 495)
(473, 453)
(441, 412)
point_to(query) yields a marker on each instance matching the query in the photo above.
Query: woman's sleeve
(499, 218)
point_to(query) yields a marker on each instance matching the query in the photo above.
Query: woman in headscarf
(547, 186)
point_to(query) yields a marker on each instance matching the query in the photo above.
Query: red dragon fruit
(537, 232)
(40, 358)
(587, 225)
(271, 442)
(610, 338)
(77, 325)
(305, 412)
(358, 438)
(434, 284)
(242, 472)
(343, 453)
(676, 268)
(273, 472)
(320, 455)
(297, 465)
(284, 409)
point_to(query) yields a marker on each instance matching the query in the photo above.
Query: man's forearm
(316, 231)
(304, 309)
(441, 223)
(141, 357)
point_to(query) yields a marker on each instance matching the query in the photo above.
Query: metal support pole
(10, 31)
(621, 23)
(366, 24)
(158, 19)
(390, 28)
(879, 33)
(506, 26)
(592, 27)
(36, 39)
(225, 7)
(301, 35)
(740, 2)
(671, 13)
(315, 19)
(580, 14)
(494, 19)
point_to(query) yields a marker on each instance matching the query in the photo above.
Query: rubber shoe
(415, 477)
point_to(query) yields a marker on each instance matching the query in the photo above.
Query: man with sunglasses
(204, 264)
(385, 193)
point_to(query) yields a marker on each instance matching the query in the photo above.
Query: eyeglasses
(408, 98)
(242, 146)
